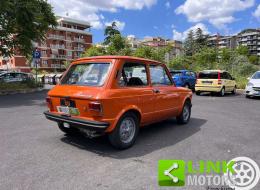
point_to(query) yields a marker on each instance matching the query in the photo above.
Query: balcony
(79, 40)
(79, 49)
(58, 56)
(57, 46)
(56, 37)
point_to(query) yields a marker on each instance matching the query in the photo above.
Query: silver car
(253, 86)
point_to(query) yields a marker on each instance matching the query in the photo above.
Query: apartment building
(64, 43)
(158, 42)
(251, 39)
(248, 37)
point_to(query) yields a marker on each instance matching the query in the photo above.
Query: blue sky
(165, 18)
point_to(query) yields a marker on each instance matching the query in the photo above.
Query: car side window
(159, 75)
(133, 74)
(229, 76)
(193, 74)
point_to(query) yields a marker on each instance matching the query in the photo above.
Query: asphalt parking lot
(34, 154)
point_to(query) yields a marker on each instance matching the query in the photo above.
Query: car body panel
(117, 100)
(254, 88)
(215, 84)
(184, 77)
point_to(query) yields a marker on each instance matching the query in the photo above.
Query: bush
(28, 84)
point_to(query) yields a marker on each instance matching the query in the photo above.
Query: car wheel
(68, 130)
(184, 117)
(222, 92)
(125, 133)
(247, 96)
(198, 93)
(234, 90)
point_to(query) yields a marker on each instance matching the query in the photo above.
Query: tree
(110, 31)
(22, 22)
(253, 59)
(189, 44)
(200, 40)
(242, 50)
(94, 51)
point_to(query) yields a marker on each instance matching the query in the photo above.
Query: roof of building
(73, 21)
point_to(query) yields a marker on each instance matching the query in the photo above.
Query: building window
(45, 63)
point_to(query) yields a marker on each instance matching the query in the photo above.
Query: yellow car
(215, 81)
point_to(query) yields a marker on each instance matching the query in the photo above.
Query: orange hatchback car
(116, 95)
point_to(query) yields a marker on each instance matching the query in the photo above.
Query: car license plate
(68, 110)
(207, 82)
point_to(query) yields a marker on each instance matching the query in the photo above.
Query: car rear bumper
(77, 123)
(208, 88)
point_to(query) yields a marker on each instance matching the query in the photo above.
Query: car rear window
(208, 75)
(87, 74)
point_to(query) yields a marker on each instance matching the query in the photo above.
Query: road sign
(36, 54)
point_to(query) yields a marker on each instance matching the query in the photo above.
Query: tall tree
(200, 39)
(21, 22)
(189, 44)
(110, 31)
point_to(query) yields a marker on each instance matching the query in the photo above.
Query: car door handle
(156, 91)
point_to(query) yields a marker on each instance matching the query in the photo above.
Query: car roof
(181, 70)
(117, 57)
(216, 70)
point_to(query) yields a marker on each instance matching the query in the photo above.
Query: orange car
(116, 95)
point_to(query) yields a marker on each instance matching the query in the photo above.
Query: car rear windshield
(208, 75)
(256, 75)
(176, 73)
(87, 74)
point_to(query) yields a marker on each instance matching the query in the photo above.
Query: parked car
(215, 81)
(115, 95)
(253, 86)
(14, 77)
(184, 78)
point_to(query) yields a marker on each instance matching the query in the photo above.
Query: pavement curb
(22, 91)
(240, 91)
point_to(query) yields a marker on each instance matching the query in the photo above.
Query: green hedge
(28, 84)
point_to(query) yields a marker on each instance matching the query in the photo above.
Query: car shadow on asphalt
(150, 139)
(217, 95)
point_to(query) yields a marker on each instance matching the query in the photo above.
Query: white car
(253, 86)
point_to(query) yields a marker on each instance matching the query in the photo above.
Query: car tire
(184, 117)
(234, 90)
(222, 92)
(125, 132)
(247, 96)
(197, 93)
(69, 131)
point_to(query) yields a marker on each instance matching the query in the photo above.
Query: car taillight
(49, 103)
(95, 106)
(219, 82)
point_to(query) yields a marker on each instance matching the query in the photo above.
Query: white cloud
(182, 35)
(120, 25)
(257, 12)
(88, 10)
(217, 12)
(167, 5)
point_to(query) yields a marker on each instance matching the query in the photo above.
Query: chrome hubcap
(186, 113)
(127, 130)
